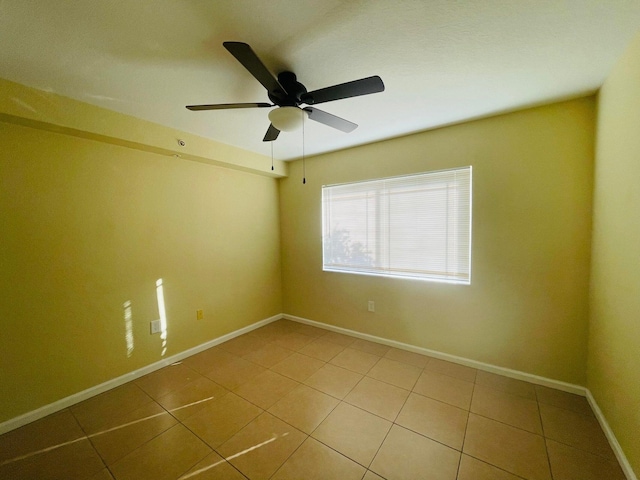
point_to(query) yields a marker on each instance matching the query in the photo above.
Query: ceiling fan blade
(223, 106)
(355, 88)
(254, 65)
(272, 134)
(330, 120)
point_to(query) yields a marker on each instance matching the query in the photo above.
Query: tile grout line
(465, 438)
(87, 437)
(466, 427)
(394, 421)
(608, 459)
(292, 426)
(178, 422)
(90, 436)
(253, 419)
(354, 406)
(544, 436)
(215, 449)
(496, 467)
(205, 442)
(291, 454)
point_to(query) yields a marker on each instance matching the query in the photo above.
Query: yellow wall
(614, 339)
(87, 226)
(526, 308)
(49, 111)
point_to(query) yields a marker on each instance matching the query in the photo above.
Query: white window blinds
(416, 226)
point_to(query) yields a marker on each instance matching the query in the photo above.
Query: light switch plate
(155, 327)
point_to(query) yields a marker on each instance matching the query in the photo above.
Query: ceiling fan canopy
(287, 93)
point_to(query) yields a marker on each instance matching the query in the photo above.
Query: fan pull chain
(271, 155)
(304, 170)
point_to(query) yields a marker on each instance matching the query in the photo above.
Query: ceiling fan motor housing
(294, 90)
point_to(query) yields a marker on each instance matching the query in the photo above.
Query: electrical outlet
(199, 314)
(371, 306)
(155, 327)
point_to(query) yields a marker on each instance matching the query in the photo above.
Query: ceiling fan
(288, 94)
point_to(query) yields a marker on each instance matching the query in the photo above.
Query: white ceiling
(442, 61)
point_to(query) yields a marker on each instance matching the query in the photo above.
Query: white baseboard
(613, 441)
(66, 402)
(507, 372)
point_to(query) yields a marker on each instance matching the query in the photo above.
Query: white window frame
(372, 253)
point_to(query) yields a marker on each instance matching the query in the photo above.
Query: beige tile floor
(291, 401)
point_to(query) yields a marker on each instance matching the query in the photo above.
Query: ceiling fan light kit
(287, 94)
(287, 119)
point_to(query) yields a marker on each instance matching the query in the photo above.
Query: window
(416, 226)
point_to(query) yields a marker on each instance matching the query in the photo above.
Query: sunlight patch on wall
(128, 327)
(163, 316)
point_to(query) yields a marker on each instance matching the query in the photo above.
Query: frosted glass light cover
(286, 119)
